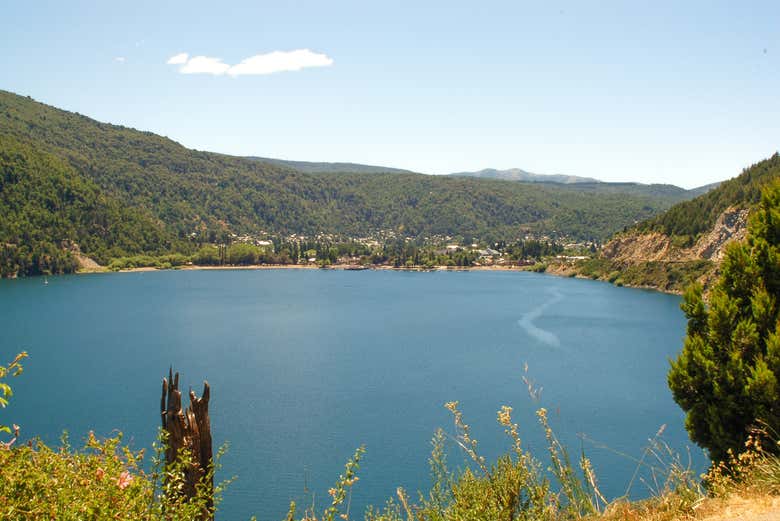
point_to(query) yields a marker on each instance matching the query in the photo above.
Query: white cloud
(178, 59)
(204, 65)
(120, 59)
(269, 63)
(280, 61)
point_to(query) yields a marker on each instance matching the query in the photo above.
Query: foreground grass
(745, 488)
(105, 480)
(517, 486)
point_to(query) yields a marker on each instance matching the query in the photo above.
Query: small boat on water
(45, 281)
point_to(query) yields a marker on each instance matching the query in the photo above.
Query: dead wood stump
(189, 431)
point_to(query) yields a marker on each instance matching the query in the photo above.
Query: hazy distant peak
(517, 174)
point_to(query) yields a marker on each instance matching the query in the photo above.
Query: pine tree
(727, 377)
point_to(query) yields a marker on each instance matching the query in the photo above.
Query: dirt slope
(657, 247)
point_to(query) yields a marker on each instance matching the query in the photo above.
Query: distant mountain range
(516, 174)
(588, 184)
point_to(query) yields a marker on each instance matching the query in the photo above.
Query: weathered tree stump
(190, 431)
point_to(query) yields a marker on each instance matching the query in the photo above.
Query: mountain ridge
(194, 197)
(685, 243)
(518, 174)
(314, 167)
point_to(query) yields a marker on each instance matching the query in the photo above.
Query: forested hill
(191, 196)
(330, 168)
(48, 211)
(586, 183)
(517, 174)
(687, 220)
(686, 243)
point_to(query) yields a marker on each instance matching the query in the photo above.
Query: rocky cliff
(637, 247)
(658, 261)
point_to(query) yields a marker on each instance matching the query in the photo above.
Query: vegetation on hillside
(727, 377)
(688, 219)
(665, 276)
(684, 223)
(47, 208)
(330, 168)
(201, 197)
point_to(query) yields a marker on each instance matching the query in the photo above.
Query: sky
(685, 93)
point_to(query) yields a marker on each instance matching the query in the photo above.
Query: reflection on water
(527, 321)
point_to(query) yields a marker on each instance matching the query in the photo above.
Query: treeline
(530, 249)
(199, 196)
(328, 252)
(687, 220)
(47, 210)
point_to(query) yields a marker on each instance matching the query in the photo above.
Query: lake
(306, 365)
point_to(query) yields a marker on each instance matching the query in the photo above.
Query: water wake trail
(527, 321)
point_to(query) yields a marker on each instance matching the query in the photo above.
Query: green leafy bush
(103, 480)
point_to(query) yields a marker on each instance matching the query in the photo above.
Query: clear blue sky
(677, 92)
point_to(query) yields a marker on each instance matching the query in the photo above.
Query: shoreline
(568, 272)
(337, 267)
(561, 273)
(348, 267)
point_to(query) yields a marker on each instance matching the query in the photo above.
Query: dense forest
(312, 167)
(688, 219)
(48, 209)
(140, 193)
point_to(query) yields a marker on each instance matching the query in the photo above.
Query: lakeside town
(385, 250)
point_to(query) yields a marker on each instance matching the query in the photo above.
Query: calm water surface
(307, 365)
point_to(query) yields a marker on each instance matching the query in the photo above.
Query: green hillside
(47, 208)
(329, 168)
(687, 220)
(590, 184)
(181, 197)
(682, 224)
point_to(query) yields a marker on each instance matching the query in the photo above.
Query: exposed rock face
(655, 246)
(730, 226)
(85, 263)
(639, 248)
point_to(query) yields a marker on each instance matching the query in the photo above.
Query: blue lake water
(306, 365)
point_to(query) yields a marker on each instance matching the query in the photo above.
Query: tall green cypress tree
(727, 377)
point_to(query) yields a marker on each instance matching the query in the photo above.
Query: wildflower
(505, 416)
(124, 480)
(332, 492)
(100, 473)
